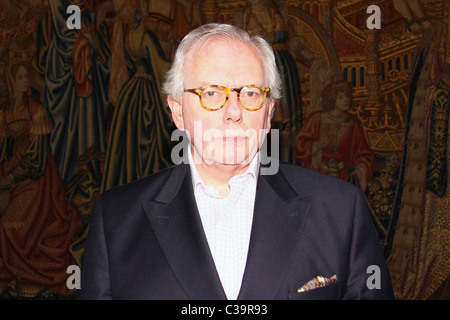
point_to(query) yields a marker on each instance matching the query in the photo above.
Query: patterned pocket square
(317, 282)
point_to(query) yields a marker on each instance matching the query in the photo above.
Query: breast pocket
(328, 292)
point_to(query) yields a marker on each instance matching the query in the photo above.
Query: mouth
(235, 140)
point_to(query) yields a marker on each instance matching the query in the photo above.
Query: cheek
(198, 124)
(259, 128)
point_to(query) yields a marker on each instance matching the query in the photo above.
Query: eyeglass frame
(199, 93)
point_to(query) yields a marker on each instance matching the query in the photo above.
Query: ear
(177, 112)
(270, 113)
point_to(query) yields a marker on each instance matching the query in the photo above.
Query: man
(216, 228)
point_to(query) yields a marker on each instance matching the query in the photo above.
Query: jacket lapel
(176, 223)
(279, 216)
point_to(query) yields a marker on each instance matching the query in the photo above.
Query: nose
(232, 108)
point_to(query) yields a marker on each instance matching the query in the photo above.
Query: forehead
(21, 70)
(225, 62)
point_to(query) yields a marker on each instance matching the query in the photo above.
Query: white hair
(174, 84)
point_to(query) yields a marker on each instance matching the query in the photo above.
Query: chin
(231, 158)
(236, 161)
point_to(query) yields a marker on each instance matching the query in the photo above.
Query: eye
(251, 93)
(210, 93)
(213, 93)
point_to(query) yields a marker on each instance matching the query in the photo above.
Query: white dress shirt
(227, 223)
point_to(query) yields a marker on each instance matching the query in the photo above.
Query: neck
(18, 100)
(338, 114)
(218, 175)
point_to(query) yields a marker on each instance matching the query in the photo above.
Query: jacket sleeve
(368, 275)
(95, 284)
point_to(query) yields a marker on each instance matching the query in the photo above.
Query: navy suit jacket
(146, 241)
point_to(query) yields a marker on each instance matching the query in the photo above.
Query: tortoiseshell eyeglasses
(213, 97)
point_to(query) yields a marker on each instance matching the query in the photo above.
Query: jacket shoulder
(309, 181)
(144, 188)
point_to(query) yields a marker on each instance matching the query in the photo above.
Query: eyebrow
(203, 84)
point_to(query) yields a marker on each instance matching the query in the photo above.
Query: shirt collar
(251, 172)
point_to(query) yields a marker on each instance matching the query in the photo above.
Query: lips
(233, 139)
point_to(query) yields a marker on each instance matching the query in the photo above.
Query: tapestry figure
(332, 142)
(420, 248)
(75, 64)
(139, 142)
(37, 224)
